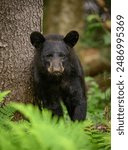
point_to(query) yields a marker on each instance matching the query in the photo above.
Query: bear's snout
(56, 67)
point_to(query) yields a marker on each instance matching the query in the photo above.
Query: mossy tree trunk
(18, 18)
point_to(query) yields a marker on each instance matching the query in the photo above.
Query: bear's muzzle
(56, 67)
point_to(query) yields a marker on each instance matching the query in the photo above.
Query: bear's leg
(76, 101)
(76, 111)
(79, 112)
(55, 107)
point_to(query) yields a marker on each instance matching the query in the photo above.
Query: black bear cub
(58, 74)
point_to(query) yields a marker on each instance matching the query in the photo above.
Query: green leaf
(3, 95)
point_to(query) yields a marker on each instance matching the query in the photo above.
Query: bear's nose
(58, 71)
(56, 68)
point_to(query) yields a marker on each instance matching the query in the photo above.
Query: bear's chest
(53, 88)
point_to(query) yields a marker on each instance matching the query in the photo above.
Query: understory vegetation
(39, 131)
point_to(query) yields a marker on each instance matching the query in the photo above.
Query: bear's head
(54, 50)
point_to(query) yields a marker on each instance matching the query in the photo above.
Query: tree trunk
(18, 18)
(61, 16)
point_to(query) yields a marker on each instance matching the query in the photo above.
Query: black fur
(64, 83)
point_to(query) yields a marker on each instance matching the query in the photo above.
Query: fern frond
(3, 95)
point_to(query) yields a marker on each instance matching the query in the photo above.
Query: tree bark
(18, 18)
(61, 16)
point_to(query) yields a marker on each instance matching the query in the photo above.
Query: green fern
(40, 131)
(50, 133)
(97, 101)
(6, 111)
(3, 95)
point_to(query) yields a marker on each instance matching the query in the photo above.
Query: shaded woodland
(38, 129)
(92, 20)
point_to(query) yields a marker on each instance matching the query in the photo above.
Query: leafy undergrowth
(39, 131)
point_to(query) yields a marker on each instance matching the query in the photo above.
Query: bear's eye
(49, 55)
(62, 55)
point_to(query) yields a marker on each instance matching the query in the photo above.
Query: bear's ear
(71, 38)
(36, 39)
